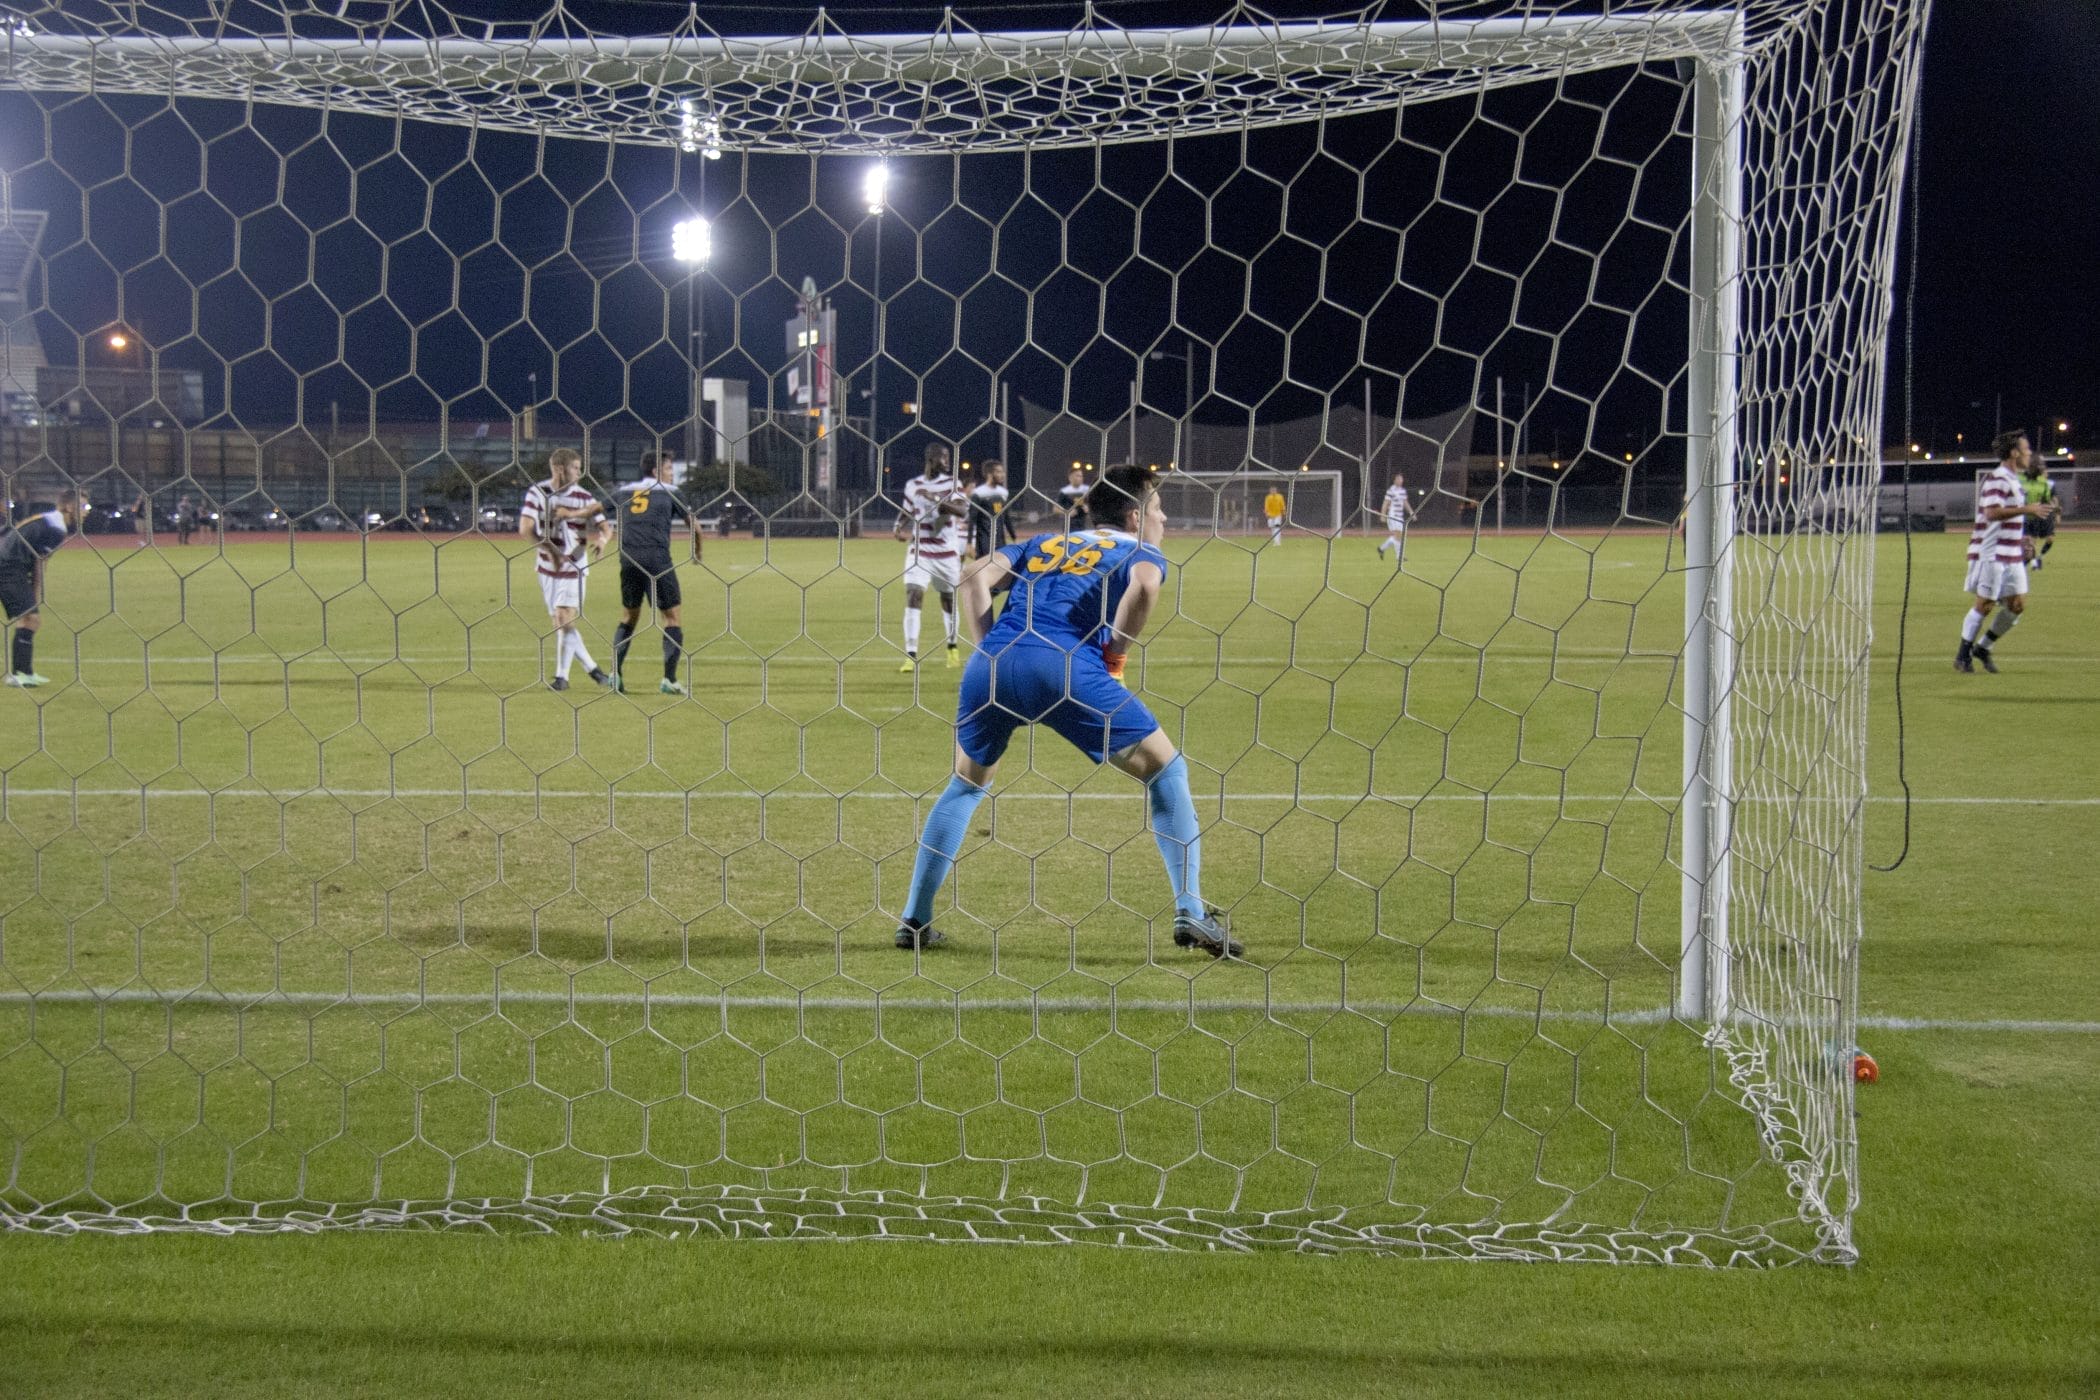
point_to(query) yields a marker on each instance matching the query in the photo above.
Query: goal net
(320, 907)
(1236, 503)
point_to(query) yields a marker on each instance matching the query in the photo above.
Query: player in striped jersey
(931, 527)
(568, 528)
(1395, 518)
(1997, 554)
(23, 551)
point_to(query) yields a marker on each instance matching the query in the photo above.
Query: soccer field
(345, 906)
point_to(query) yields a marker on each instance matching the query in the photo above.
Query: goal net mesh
(319, 908)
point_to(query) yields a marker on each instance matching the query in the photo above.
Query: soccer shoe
(955, 658)
(1207, 934)
(913, 934)
(669, 688)
(599, 675)
(911, 664)
(1982, 657)
(618, 684)
(27, 680)
(558, 683)
(1961, 658)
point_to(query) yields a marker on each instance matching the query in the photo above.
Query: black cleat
(1207, 934)
(558, 683)
(911, 934)
(1961, 658)
(599, 675)
(1982, 657)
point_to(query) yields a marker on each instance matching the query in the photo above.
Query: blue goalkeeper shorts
(1071, 692)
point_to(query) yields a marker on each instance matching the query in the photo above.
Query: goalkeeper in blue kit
(1055, 657)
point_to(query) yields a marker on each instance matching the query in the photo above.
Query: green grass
(476, 830)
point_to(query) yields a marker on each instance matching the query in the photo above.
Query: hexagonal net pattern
(1511, 380)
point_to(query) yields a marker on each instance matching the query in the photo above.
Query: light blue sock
(1180, 841)
(946, 825)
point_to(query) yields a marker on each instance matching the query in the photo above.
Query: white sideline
(1132, 795)
(275, 998)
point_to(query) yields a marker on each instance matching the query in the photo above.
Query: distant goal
(1232, 503)
(2077, 490)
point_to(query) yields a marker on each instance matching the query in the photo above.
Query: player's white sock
(561, 653)
(948, 623)
(580, 653)
(912, 619)
(1971, 624)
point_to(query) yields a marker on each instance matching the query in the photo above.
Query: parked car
(324, 518)
(107, 520)
(276, 518)
(239, 518)
(438, 518)
(499, 518)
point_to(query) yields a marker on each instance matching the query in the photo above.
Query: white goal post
(1547, 851)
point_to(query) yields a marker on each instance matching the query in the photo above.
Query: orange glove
(1115, 660)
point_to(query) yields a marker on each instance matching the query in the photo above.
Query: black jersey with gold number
(647, 510)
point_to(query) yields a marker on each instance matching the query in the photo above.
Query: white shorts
(943, 576)
(562, 593)
(1275, 522)
(1988, 579)
(1395, 527)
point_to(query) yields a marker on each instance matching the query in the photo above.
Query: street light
(693, 243)
(119, 342)
(875, 193)
(1185, 426)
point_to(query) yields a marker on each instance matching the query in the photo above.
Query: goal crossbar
(603, 85)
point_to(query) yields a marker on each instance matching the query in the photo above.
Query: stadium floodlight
(692, 241)
(875, 187)
(119, 341)
(699, 132)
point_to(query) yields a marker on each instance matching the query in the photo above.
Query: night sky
(2007, 298)
(2008, 287)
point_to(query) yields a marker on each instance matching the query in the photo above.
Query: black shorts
(654, 581)
(17, 590)
(2043, 528)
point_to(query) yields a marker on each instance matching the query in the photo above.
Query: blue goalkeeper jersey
(1067, 588)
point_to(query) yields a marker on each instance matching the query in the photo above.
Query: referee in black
(646, 511)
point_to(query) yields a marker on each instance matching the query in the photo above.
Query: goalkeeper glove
(1115, 660)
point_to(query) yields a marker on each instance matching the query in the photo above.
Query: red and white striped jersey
(935, 533)
(564, 551)
(1998, 541)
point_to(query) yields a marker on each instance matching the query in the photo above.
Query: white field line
(886, 655)
(1134, 795)
(881, 652)
(278, 999)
